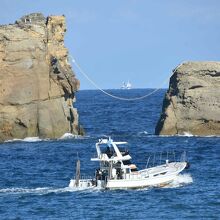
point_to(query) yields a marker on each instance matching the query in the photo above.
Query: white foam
(27, 139)
(35, 139)
(13, 140)
(142, 132)
(187, 134)
(68, 136)
(40, 190)
(181, 179)
(31, 139)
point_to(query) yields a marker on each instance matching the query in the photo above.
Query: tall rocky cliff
(37, 84)
(192, 102)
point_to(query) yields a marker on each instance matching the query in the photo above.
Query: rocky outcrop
(192, 102)
(37, 84)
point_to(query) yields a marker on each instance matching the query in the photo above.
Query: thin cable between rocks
(109, 94)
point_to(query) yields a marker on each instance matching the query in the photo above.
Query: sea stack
(192, 102)
(37, 84)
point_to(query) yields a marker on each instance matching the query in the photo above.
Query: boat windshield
(111, 152)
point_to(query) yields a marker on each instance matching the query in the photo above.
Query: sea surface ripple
(35, 173)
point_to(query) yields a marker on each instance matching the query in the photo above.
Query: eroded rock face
(192, 102)
(37, 84)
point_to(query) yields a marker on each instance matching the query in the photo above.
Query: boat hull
(126, 184)
(140, 183)
(153, 177)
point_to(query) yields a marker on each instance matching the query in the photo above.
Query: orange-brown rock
(192, 102)
(37, 84)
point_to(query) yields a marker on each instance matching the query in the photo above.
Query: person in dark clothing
(108, 152)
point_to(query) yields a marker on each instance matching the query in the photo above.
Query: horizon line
(121, 89)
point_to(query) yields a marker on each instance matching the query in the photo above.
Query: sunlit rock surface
(192, 102)
(37, 84)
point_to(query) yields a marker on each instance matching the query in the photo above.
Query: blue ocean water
(35, 175)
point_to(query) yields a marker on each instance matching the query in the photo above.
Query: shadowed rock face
(37, 84)
(192, 102)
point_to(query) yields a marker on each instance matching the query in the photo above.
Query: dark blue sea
(35, 174)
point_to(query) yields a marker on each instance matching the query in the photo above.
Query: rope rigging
(111, 95)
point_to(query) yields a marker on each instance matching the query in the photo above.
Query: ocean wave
(181, 180)
(27, 139)
(32, 139)
(185, 134)
(69, 136)
(41, 190)
(36, 139)
(142, 133)
(188, 134)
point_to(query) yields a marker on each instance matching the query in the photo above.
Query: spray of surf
(69, 136)
(27, 139)
(181, 180)
(44, 190)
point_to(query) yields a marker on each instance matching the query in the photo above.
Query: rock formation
(37, 84)
(192, 102)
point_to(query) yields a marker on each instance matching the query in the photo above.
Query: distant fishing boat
(126, 85)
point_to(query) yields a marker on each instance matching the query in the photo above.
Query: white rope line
(109, 94)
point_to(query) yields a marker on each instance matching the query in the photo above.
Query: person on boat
(98, 174)
(119, 173)
(108, 152)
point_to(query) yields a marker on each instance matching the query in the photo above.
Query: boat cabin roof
(113, 154)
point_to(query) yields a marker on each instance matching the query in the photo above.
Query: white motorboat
(117, 172)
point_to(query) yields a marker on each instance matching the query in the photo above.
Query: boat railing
(156, 159)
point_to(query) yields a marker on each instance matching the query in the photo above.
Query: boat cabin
(115, 162)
